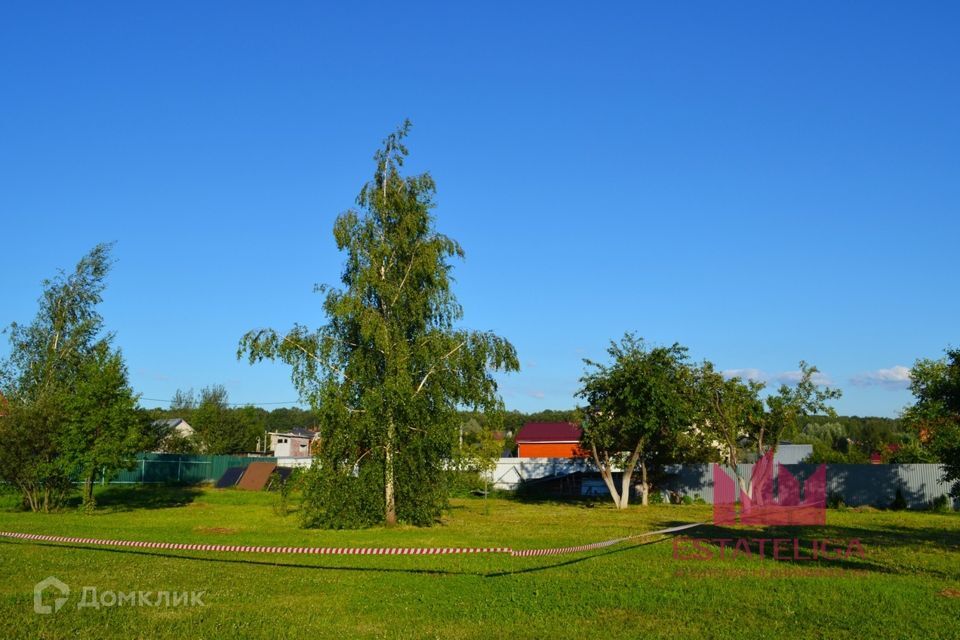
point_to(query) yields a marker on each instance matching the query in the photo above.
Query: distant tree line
(854, 439)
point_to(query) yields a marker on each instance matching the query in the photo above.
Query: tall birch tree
(389, 370)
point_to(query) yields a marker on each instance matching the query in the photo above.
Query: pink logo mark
(763, 508)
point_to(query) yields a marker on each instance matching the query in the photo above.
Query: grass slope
(906, 586)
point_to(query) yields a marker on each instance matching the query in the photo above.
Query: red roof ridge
(549, 432)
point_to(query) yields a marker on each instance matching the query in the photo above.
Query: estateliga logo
(765, 509)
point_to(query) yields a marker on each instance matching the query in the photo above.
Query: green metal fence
(154, 468)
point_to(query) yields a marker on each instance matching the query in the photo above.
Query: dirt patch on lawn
(950, 593)
(214, 530)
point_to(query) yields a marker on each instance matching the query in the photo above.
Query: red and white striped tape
(337, 551)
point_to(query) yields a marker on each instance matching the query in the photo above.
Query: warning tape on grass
(339, 551)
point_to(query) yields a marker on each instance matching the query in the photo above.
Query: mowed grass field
(907, 585)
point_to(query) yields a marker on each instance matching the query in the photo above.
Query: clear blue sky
(762, 182)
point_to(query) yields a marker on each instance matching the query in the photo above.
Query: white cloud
(793, 377)
(745, 374)
(896, 377)
(784, 377)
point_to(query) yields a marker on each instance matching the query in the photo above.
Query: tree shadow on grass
(131, 498)
(871, 539)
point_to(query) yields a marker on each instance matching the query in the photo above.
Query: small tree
(390, 370)
(103, 429)
(478, 448)
(73, 413)
(636, 407)
(220, 429)
(31, 457)
(49, 359)
(733, 413)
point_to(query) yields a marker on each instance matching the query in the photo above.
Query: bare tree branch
(434, 367)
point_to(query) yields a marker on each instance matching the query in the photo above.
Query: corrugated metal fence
(155, 468)
(857, 484)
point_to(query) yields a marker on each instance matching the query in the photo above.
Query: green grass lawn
(907, 585)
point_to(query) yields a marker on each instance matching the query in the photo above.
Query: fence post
(179, 465)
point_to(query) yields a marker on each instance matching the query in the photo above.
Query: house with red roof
(549, 440)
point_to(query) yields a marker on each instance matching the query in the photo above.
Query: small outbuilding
(549, 440)
(294, 443)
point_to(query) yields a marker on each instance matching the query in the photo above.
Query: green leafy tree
(31, 456)
(390, 369)
(637, 407)
(53, 372)
(103, 429)
(735, 416)
(220, 429)
(285, 419)
(936, 413)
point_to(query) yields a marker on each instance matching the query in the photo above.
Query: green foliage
(824, 453)
(284, 489)
(71, 412)
(342, 499)
(936, 413)
(390, 371)
(734, 413)
(103, 429)
(638, 406)
(219, 429)
(287, 418)
(941, 504)
(731, 411)
(912, 453)
(31, 458)
(835, 501)
(234, 429)
(466, 483)
(851, 440)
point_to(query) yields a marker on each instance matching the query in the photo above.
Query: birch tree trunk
(390, 506)
(607, 475)
(628, 476)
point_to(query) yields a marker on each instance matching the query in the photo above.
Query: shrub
(465, 483)
(284, 489)
(941, 504)
(835, 501)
